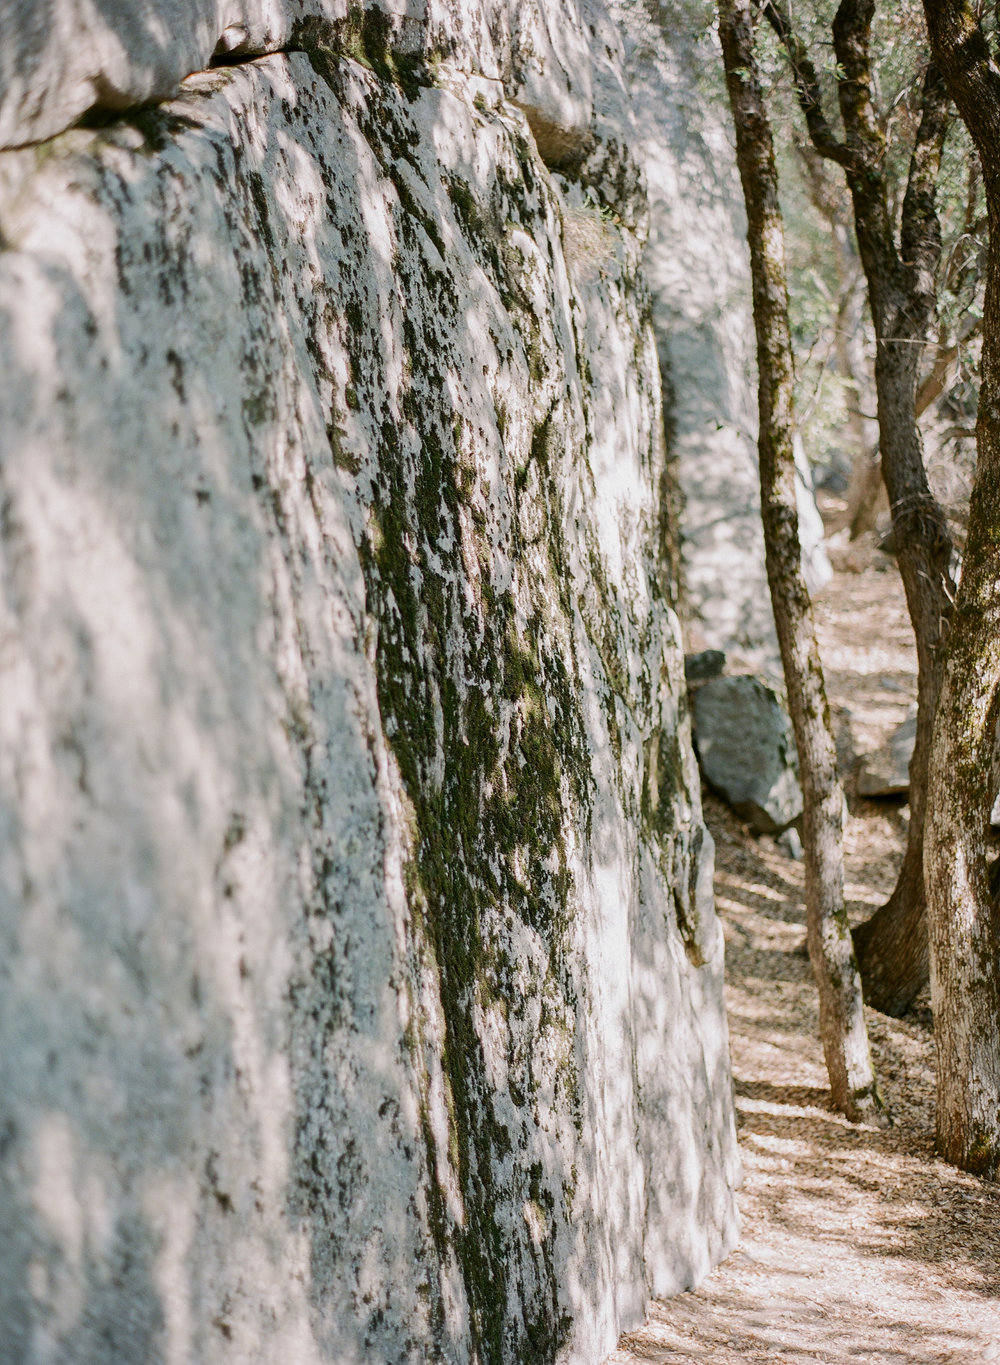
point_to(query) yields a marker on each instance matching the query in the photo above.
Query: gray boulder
(363, 988)
(747, 752)
(886, 771)
(707, 663)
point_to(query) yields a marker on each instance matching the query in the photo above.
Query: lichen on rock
(364, 993)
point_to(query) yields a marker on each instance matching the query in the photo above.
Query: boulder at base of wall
(746, 751)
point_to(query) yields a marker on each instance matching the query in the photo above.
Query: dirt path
(858, 1245)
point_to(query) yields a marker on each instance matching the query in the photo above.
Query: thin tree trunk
(963, 911)
(892, 945)
(842, 1023)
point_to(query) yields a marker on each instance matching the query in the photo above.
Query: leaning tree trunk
(963, 911)
(841, 1012)
(892, 945)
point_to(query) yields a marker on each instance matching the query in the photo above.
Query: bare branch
(933, 385)
(807, 89)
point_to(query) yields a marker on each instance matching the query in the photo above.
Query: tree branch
(920, 230)
(807, 89)
(852, 44)
(934, 383)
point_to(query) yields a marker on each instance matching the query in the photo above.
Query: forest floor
(857, 1244)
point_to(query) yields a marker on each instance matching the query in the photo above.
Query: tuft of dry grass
(589, 240)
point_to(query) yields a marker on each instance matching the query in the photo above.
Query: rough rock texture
(698, 268)
(886, 771)
(361, 991)
(747, 751)
(63, 59)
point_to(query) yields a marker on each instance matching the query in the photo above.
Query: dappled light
(393, 564)
(374, 984)
(857, 1243)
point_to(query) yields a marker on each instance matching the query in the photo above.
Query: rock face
(62, 60)
(747, 751)
(362, 989)
(886, 772)
(698, 267)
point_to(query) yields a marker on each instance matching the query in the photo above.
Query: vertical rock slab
(697, 266)
(362, 989)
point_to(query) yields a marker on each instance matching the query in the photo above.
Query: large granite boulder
(362, 989)
(63, 60)
(747, 751)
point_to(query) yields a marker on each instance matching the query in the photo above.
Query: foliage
(827, 398)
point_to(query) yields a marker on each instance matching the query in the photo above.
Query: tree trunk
(892, 945)
(863, 493)
(963, 911)
(964, 914)
(842, 1023)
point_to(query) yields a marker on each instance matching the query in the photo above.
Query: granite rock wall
(697, 264)
(362, 986)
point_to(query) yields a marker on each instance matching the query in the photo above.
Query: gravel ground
(857, 1244)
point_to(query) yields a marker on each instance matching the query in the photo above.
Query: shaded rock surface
(705, 664)
(362, 989)
(697, 264)
(886, 771)
(747, 751)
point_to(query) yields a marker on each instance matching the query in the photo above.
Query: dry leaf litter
(857, 1244)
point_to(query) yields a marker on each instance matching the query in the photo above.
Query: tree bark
(892, 945)
(964, 913)
(842, 1023)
